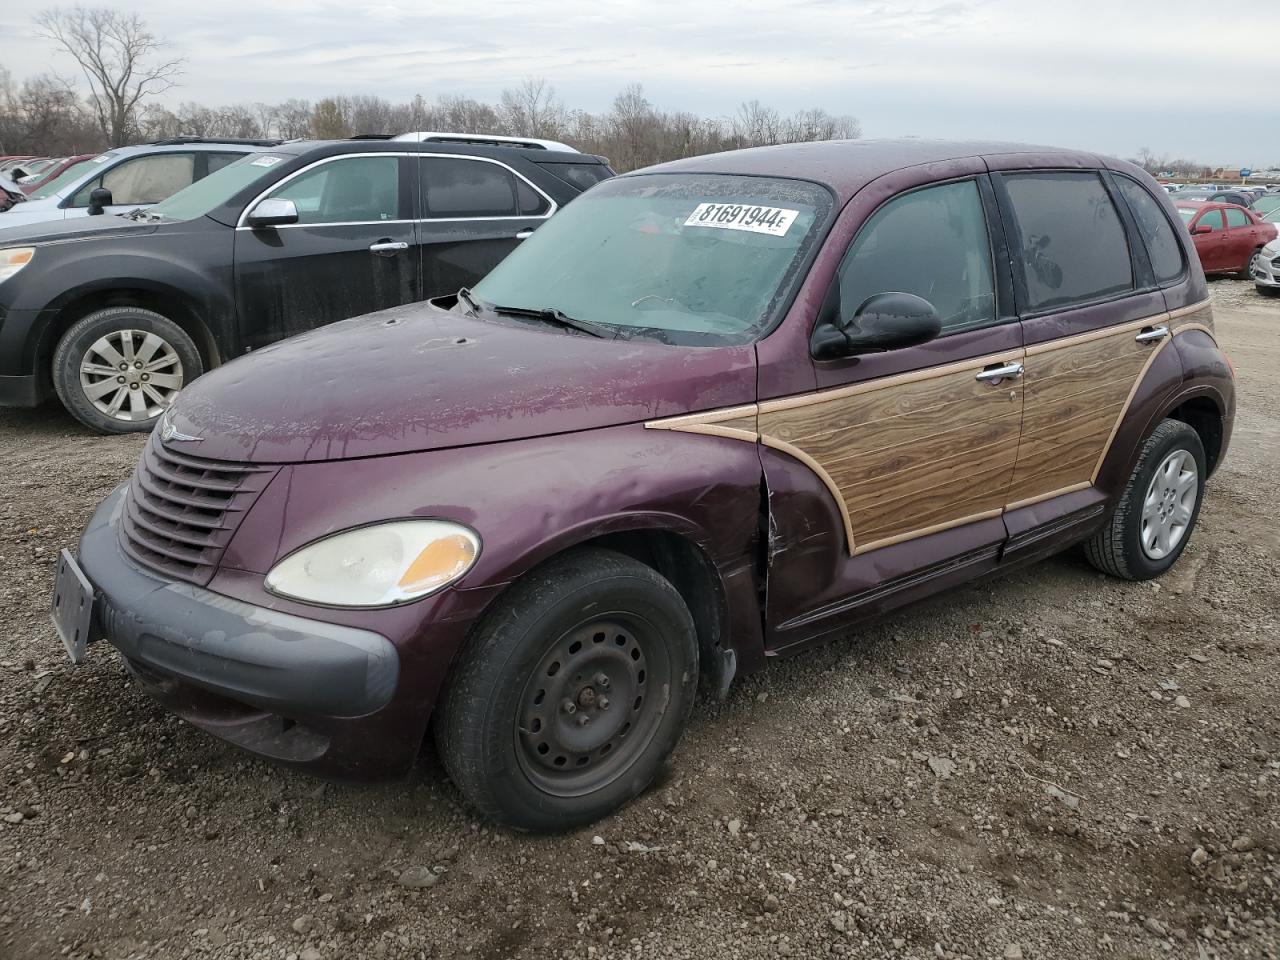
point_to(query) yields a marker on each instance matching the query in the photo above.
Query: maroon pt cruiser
(713, 412)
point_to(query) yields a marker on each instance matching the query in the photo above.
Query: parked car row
(709, 414)
(268, 241)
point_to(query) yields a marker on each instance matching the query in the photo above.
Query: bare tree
(119, 58)
(531, 109)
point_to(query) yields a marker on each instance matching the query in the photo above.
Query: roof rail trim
(495, 140)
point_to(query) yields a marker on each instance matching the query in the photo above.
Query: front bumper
(1266, 270)
(283, 686)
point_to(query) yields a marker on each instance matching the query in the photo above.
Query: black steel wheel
(571, 694)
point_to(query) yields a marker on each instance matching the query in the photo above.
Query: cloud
(1091, 73)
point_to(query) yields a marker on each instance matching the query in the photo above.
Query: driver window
(351, 190)
(933, 243)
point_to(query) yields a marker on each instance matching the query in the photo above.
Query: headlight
(377, 566)
(14, 259)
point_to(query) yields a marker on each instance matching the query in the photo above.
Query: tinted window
(1162, 242)
(931, 242)
(219, 160)
(349, 190)
(532, 203)
(457, 187)
(584, 176)
(1237, 218)
(1212, 219)
(143, 179)
(1071, 239)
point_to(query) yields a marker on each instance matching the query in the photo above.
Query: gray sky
(1106, 75)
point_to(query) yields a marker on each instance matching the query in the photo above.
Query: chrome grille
(180, 511)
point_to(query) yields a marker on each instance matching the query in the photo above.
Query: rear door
(350, 253)
(1092, 317)
(1242, 238)
(472, 212)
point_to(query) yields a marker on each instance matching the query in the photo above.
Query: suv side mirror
(887, 321)
(273, 213)
(99, 200)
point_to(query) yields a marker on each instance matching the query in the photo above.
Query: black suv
(115, 314)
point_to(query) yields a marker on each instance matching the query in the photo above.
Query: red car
(1226, 236)
(53, 171)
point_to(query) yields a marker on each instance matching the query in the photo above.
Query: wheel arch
(168, 301)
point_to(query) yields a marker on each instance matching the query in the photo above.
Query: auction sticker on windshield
(775, 221)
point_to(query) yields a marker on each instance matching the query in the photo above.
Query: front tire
(1157, 512)
(571, 694)
(117, 370)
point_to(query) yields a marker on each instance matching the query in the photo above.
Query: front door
(351, 251)
(915, 447)
(472, 213)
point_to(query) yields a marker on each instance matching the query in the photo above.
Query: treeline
(45, 116)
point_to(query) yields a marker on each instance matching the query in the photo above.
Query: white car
(1265, 268)
(133, 176)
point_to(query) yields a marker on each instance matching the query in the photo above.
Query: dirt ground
(1054, 764)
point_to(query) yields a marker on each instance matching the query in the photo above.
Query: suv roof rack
(240, 141)
(486, 139)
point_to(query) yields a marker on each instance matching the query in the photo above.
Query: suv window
(147, 179)
(1162, 243)
(217, 161)
(1237, 218)
(932, 243)
(1073, 246)
(459, 187)
(346, 190)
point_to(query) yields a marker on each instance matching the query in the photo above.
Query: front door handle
(525, 234)
(388, 248)
(1152, 334)
(995, 374)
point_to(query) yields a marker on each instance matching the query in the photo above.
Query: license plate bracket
(73, 601)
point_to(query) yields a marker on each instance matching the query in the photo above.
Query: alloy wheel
(131, 375)
(1170, 504)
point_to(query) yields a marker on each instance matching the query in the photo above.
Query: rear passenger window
(1071, 240)
(584, 176)
(457, 187)
(932, 243)
(1237, 218)
(1162, 243)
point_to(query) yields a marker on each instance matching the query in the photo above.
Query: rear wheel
(1158, 510)
(1246, 272)
(571, 694)
(118, 370)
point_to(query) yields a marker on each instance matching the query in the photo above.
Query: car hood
(421, 378)
(43, 230)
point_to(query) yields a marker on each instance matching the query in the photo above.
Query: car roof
(846, 166)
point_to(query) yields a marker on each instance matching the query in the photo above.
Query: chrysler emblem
(169, 432)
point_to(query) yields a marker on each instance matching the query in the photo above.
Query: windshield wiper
(464, 294)
(559, 318)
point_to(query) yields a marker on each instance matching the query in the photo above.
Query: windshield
(685, 258)
(1266, 205)
(217, 188)
(70, 176)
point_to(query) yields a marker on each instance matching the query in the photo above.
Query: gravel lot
(1054, 764)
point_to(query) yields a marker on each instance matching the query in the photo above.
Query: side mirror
(99, 200)
(273, 213)
(1201, 229)
(887, 321)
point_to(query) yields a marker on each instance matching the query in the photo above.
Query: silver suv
(132, 176)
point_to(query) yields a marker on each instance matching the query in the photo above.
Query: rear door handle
(387, 248)
(1152, 334)
(525, 234)
(997, 373)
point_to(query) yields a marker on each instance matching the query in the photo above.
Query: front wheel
(117, 370)
(1159, 507)
(571, 694)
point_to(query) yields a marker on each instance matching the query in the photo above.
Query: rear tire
(117, 370)
(1246, 272)
(593, 635)
(1157, 512)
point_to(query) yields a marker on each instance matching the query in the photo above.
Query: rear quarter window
(1071, 240)
(1162, 243)
(584, 176)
